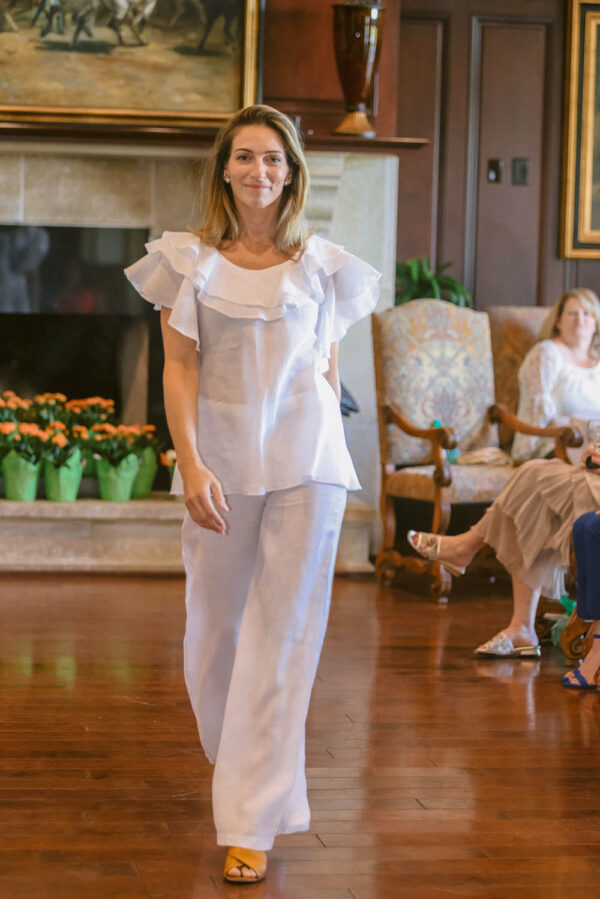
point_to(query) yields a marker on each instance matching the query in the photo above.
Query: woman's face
(576, 324)
(257, 167)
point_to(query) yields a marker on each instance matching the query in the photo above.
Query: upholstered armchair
(434, 361)
(513, 331)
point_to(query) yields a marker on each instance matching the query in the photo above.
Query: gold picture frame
(130, 80)
(580, 231)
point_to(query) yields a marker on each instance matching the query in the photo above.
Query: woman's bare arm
(180, 383)
(333, 373)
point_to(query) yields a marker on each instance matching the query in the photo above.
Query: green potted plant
(149, 446)
(21, 451)
(117, 460)
(63, 465)
(416, 280)
(169, 459)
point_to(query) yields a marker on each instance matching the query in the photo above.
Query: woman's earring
(226, 179)
(288, 182)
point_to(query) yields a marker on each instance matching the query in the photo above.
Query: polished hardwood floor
(431, 773)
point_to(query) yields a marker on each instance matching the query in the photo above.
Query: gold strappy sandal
(245, 858)
(428, 546)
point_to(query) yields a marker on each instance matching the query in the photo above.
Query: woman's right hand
(202, 494)
(590, 453)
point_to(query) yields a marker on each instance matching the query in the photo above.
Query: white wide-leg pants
(257, 605)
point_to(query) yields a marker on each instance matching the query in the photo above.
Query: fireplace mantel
(110, 184)
(197, 139)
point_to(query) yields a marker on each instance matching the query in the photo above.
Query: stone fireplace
(352, 201)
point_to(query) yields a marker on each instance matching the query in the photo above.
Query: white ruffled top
(553, 389)
(267, 418)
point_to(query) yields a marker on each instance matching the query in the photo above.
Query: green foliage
(415, 280)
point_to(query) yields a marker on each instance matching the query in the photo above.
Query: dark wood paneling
(554, 273)
(300, 77)
(300, 74)
(420, 112)
(510, 125)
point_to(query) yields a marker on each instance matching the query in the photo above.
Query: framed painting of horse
(133, 65)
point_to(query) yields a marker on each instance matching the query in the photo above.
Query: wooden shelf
(363, 144)
(200, 138)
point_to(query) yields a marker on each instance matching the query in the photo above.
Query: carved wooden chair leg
(442, 583)
(573, 638)
(386, 560)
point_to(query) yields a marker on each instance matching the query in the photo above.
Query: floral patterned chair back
(433, 360)
(514, 330)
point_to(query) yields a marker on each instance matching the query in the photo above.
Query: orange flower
(30, 430)
(7, 427)
(59, 439)
(57, 425)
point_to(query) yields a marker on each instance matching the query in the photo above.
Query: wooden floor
(430, 773)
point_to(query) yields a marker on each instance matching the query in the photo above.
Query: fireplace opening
(66, 310)
(70, 322)
(68, 271)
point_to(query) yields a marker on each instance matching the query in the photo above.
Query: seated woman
(529, 526)
(586, 540)
(560, 376)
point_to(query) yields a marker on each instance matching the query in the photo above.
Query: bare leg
(521, 628)
(518, 639)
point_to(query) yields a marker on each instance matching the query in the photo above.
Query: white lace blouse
(267, 418)
(553, 389)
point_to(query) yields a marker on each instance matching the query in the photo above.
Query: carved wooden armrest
(440, 438)
(564, 436)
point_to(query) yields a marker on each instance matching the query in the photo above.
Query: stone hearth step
(138, 537)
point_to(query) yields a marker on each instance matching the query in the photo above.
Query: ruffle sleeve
(538, 379)
(346, 288)
(165, 277)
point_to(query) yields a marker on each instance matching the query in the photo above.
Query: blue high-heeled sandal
(582, 682)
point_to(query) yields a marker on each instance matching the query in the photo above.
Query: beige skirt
(529, 525)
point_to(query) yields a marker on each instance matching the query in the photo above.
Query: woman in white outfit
(252, 311)
(529, 524)
(560, 376)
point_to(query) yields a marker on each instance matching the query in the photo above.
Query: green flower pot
(20, 477)
(142, 486)
(116, 481)
(62, 482)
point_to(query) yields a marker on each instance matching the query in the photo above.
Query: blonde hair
(220, 219)
(589, 301)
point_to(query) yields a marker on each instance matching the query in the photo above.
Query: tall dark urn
(358, 27)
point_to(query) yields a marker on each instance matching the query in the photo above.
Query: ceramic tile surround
(352, 201)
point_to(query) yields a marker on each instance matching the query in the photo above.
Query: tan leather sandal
(254, 859)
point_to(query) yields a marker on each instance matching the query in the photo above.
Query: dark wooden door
(506, 156)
